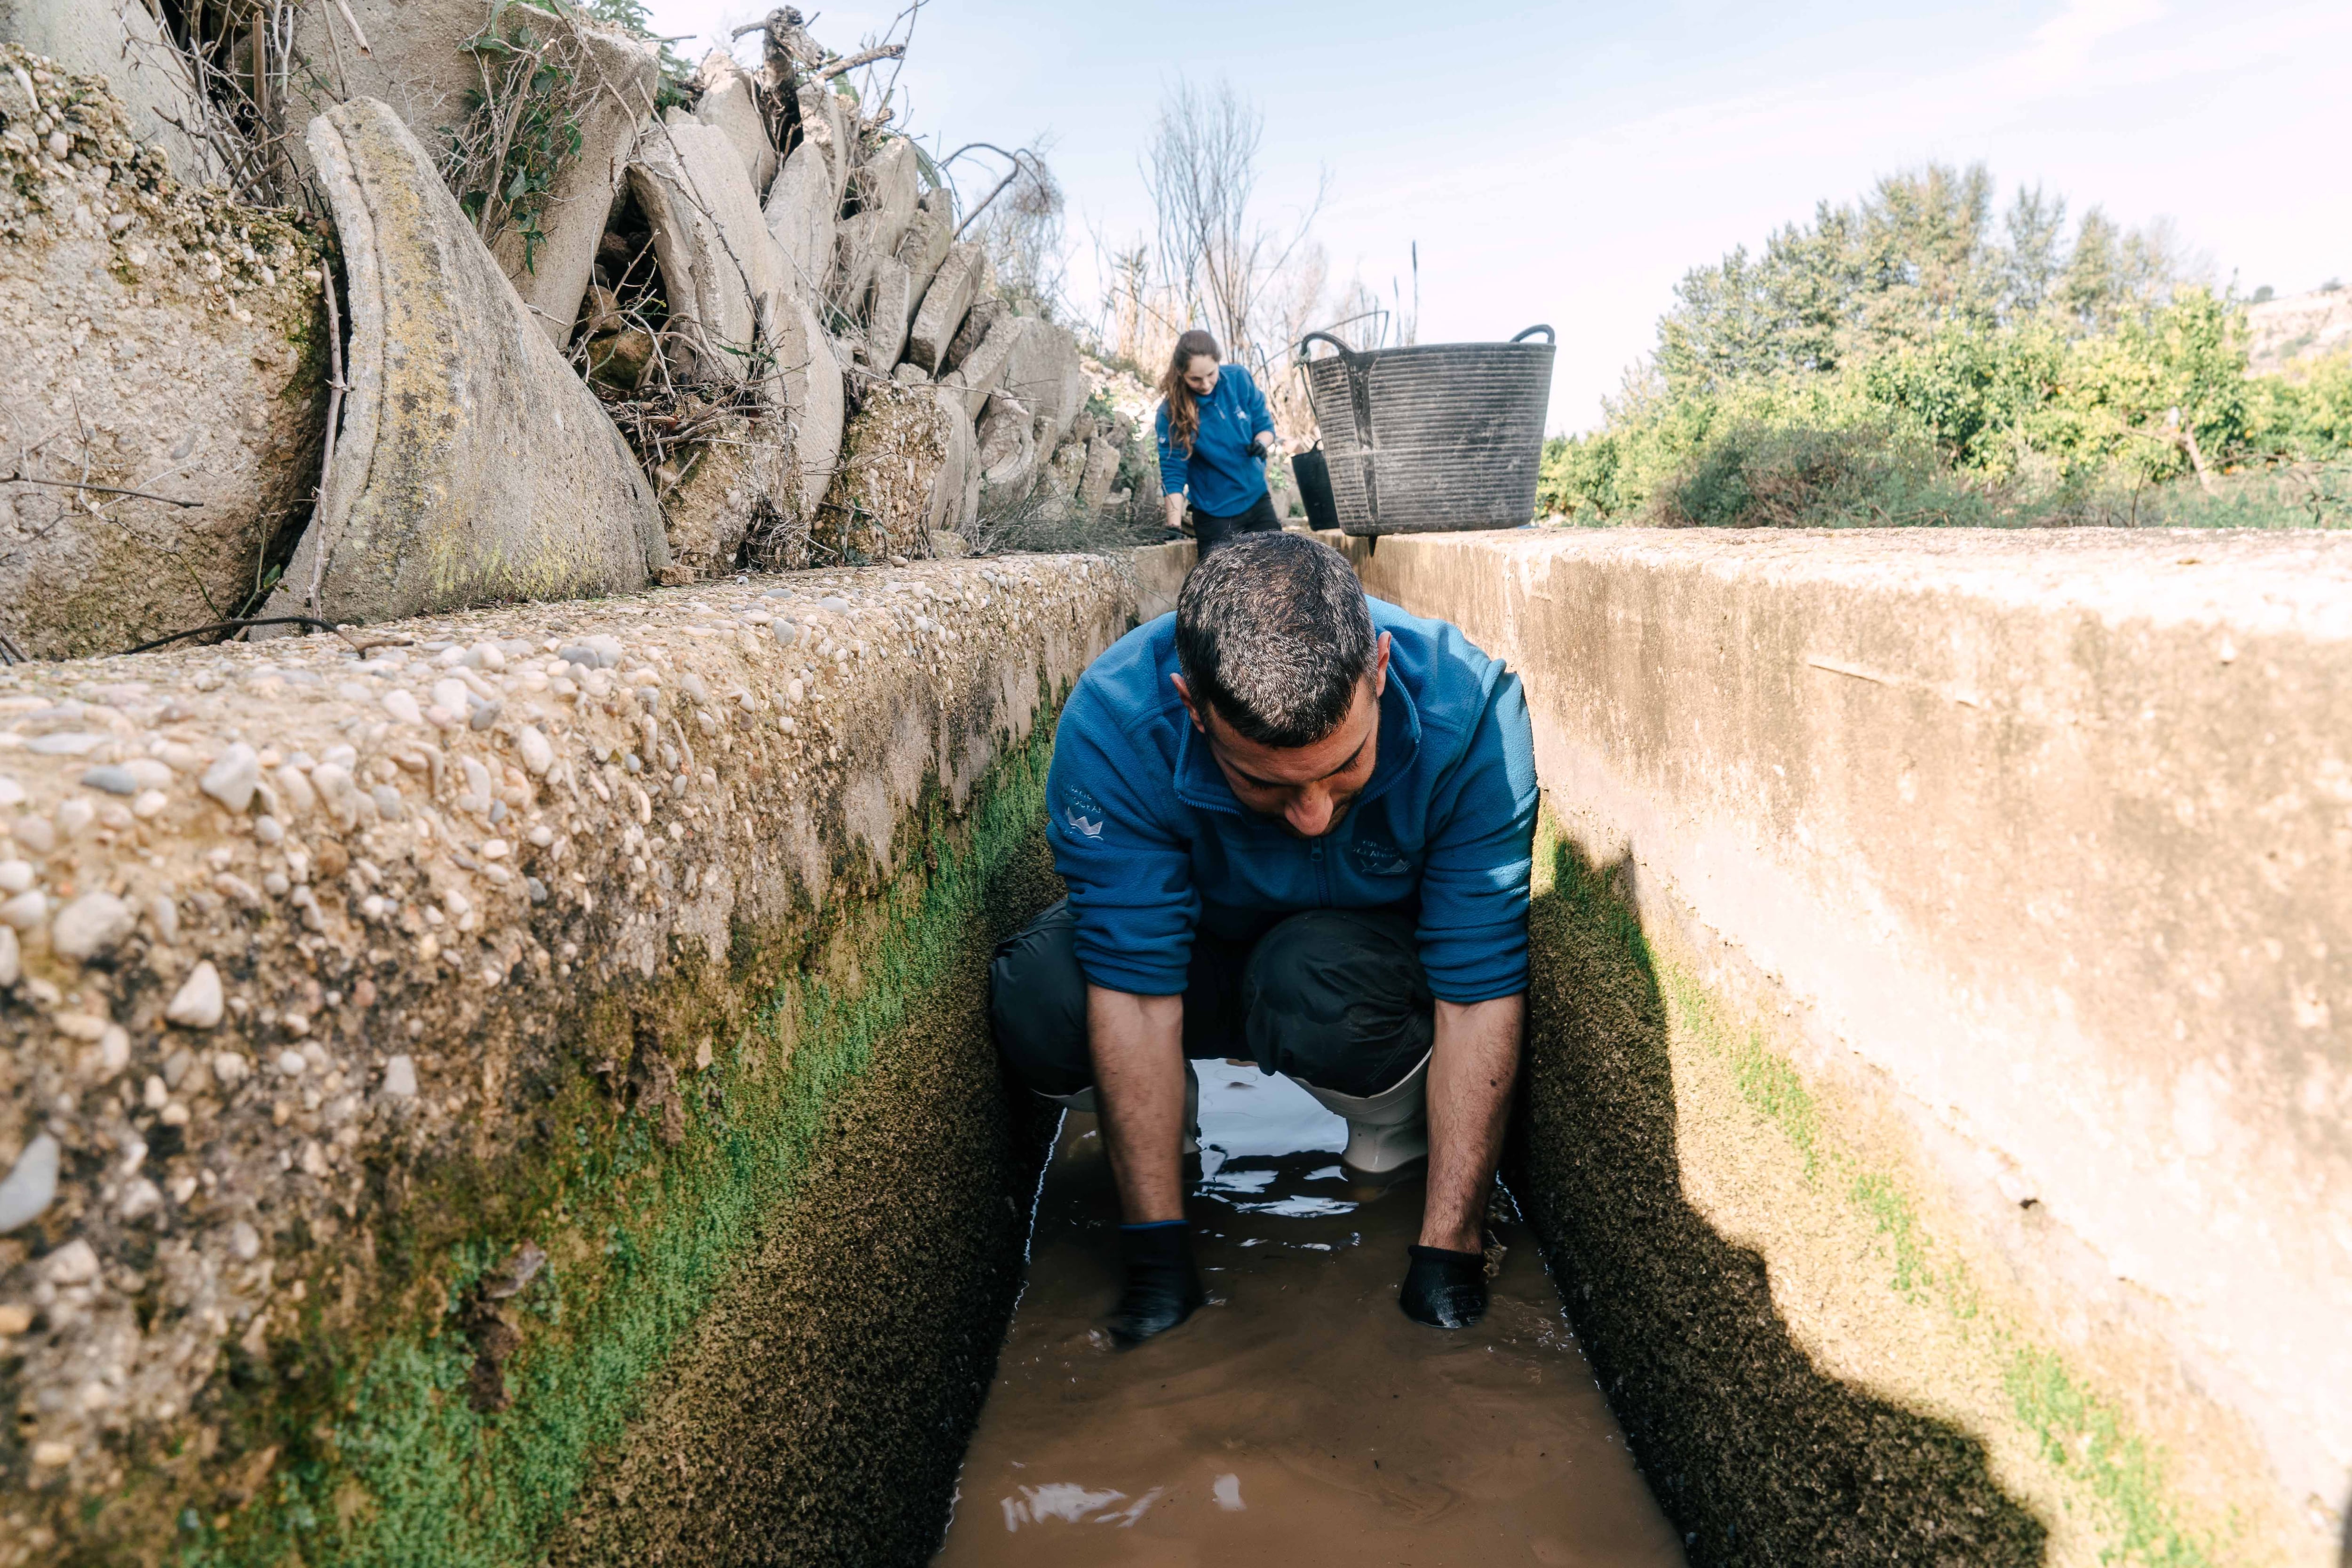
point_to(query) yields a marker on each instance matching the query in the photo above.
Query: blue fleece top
(1222, 475)
(1153, 842)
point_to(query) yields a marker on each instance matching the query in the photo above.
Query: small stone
(113, 780)
(150, 805)
(16, 876)
(14, 1318)
(833, 602)
(485, 656)
(11, 792)
(606, 648)
(36, 834)
(52, 1455)
(233, 778)
(400, 1077)
(74, 814)
(31, 1186)
(387, 802)
(402, 707)
(542, 835)
(148, 774)
(113, 1050)
(228, 1066)
(496, 850)
(165, 914)
(65, 744)
(91, 926)
(451, 694)
(25, 911)
(244, 1241)
(154, 1092)
(533, 885)
(290, 1063)
(75, 1262)
(483, 715)
(199, 1004)
(537, 753)
(12, 961)
(142, 1198)
(268, 830)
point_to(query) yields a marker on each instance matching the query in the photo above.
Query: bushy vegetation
(1897, 361)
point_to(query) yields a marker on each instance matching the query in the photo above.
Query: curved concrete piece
(945, 304)
(799, 215)
(886, 187)
(1991, 1015)
(118, 42)
(809, 385)
(153, 339)
(929, 237)
(413, 64)
(729, 103)
(906, 467)
(981, 371)
(721, 491)
(719, 261)
(473, 464)
(1043, 372)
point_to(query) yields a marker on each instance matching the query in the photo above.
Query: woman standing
(1214, 438)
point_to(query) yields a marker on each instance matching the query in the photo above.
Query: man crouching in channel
(1298, 823)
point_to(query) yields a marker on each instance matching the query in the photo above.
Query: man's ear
(1380, 665)
(1191, 707)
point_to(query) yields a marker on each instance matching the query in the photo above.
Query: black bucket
(1434, 438)
(1313, 476)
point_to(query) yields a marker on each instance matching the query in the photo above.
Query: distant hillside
(2299, 327)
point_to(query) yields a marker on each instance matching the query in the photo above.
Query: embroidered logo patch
(1376, 858)
(1081, 813)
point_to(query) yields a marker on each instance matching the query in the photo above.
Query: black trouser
(1332, 997)
(1212, 530)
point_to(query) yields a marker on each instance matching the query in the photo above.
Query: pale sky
(1568, 163)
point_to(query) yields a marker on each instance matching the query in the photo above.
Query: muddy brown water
(1300, 1419)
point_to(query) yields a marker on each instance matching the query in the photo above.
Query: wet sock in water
(1163, 1286)
(1445, 1289)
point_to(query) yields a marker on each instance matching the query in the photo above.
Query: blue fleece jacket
(1222, 476)
(1153, 842)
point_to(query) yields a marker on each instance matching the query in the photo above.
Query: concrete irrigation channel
(519, 1091)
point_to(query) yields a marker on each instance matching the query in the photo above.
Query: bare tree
(1215, 256)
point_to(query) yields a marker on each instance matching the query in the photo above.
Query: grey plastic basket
(1435, 438)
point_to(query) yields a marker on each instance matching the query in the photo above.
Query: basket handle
(1531, 331)
(1345, 352)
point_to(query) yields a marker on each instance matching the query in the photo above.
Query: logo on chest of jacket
(1377, 858)
(1081, 813)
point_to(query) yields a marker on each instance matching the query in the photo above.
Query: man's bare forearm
(1138, 1054)
(1176, 512)
(1471, 1073)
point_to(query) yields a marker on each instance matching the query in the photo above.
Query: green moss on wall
(372, 1450)
(1639, 1077)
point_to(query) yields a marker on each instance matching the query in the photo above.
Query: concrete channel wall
(523, 1095)
(1941, 1074)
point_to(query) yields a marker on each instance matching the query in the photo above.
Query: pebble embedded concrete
(359, 879)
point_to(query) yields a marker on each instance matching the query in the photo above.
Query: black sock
(1445, 1289)
(1163, 1286)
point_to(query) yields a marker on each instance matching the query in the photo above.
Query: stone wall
(421, 1071)
(1940, 1075)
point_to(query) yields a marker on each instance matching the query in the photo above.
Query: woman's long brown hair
(1184, 409)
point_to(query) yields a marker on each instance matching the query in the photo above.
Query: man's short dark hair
(1273, 632)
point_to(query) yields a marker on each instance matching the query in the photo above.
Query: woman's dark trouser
(1212, 530)
(1336, 998)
